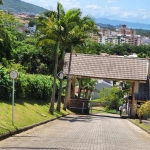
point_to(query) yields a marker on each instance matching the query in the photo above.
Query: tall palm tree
(78, 36)
(68, 22)
(50, 31)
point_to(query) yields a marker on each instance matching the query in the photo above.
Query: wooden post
(79, 90)
(69, 93)
(73, 83)
(133, 112)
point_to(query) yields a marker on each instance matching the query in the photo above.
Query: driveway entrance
(81, 132)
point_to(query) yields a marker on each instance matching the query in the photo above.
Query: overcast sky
(126, 10)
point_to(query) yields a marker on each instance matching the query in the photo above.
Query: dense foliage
(143, 110)
(142, 51)
(111, 97)
(27, 86)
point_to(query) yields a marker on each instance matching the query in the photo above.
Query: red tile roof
(107, 67)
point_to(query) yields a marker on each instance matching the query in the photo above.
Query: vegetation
(63, 30)
(87, 87)
(111, 97)
(103, 110)
(26, 113)
(143, 32)
(27, 86)
(143, 110)
(58, 32)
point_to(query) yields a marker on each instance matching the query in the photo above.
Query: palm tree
(50, 32)
(68, 22)
(64, 29)
(88, 85)
(78, 36)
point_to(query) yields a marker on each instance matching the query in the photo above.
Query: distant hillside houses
(119, 36)
(24, 20)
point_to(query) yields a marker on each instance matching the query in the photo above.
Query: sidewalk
(145, 125)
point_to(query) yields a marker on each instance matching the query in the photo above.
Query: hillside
(17, 6)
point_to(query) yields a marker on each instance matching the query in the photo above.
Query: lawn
(100, 109)
(25, 113)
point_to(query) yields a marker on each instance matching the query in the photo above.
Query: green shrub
(5, 84)
(27, 86)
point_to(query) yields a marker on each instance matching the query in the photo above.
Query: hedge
(27, 86)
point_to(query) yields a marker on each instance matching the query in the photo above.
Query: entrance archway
(113, 68)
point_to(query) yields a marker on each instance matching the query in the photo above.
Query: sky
(124, 10)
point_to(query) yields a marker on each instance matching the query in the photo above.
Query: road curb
(139, 126)
(11, 133)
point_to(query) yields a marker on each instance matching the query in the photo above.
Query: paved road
(97, 132)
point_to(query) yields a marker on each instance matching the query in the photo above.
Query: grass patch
(101, 109)
(141, 125)
(96, 100)
(25, 113)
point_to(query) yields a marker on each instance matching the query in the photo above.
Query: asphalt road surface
(81, 132)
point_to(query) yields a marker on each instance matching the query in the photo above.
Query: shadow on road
(88, 118)
(110, 116)
(26, 148)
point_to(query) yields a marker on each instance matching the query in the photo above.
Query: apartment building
(119, 36)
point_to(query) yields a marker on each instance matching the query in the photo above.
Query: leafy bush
(143, 110)
(34, 86)
(112, 97)
(5, 83)
(27, 86)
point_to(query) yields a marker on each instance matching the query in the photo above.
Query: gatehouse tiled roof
(107, 67)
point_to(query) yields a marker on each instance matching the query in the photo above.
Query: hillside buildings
(118, 36)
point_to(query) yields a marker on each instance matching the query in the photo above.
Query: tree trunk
(60, 88)
(51, 110)
(140, 119)
(59, 96)
(67, 87)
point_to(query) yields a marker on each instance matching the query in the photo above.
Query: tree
(90, 47)
(50, 32)
(88, 86)
(112, 97)
(143, 110)
(78, 36)
(7, 34)
(69, 22)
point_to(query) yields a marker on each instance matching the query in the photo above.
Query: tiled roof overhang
(106, 67)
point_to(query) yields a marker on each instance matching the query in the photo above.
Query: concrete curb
(10, 133)
(139, 126)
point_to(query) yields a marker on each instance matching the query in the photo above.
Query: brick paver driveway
(78, 132)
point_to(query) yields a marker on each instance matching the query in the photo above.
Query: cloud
(104, 10)
(111, 1)
(67, 4)
(93, 7)
(117, 12)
